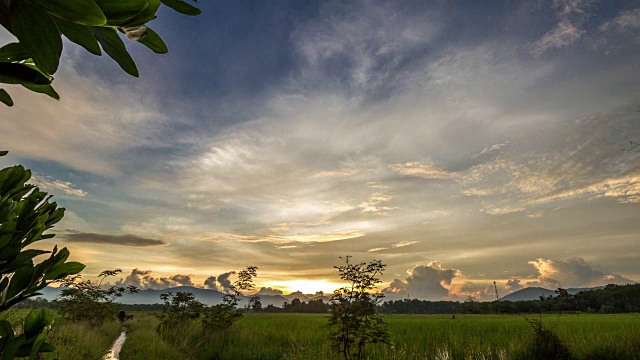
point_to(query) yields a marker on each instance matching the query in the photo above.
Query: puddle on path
(114, 352)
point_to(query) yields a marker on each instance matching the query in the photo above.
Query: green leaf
(120, 11)
(5, 97)
(43, 89)
(11, 73)
(182, 7)
(114, 47)
(35, 347)
(13, 52)
(79, 34)
(20, 281)
(43, 41)
(146, 15)
(154, 42)
(36, 321)
(85, 12)
(3, 152)
(62, 270)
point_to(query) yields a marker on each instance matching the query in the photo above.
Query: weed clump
(544, 344)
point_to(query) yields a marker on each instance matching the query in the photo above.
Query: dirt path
(114, 352)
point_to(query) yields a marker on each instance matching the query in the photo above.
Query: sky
(459, 142)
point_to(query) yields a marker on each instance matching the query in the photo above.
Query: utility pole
(495, 287)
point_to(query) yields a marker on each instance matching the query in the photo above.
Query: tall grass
(79, 341)
(304, 336)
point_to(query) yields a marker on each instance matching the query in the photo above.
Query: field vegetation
(304, 336)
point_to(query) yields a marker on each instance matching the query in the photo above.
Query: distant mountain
(530, 293)
(152, 296)
(534, 293)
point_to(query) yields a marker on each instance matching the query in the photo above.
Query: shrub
(91, 302)
(179, 308)
(545, 344)
(222, 316)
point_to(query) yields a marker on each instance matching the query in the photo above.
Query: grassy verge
(79, 341)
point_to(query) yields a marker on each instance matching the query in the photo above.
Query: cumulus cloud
(513, 285)
(144, 279)
(224, 281)
(210, 283)
(572, 273)
(269, 291)
(106, 239)
(423, 282)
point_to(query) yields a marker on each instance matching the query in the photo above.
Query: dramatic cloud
(513, 285)
(573, 273)
(105, 239)
(408, 130)
(210, 283)
(144, 279)
(424, 282)
(224, 281)
(269, 291)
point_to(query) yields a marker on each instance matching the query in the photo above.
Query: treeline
(610, 299)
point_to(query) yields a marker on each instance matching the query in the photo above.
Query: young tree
(222, 316)
(354, 320)
(25, 214)
(179, 308)
(92, 302)
(93, 24)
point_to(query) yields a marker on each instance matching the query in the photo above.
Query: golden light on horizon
(306, 286)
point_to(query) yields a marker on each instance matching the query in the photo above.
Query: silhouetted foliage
(91, 302)
(544, 344)
(25, 214)
(354, 319)
(39, 26)
(179, 308)
(222, 316)
(610, 299)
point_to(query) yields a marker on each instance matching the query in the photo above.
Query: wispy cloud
(50, 184)
(425, 170)
(106, 239)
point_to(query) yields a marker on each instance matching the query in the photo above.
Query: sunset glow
(460, 143)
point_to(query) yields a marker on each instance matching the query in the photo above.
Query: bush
(87, 301)
(222, 316)
(544, 344)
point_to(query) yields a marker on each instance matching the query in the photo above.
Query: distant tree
(255, 303)
(179, 308)
(84, 300)
(93, 24)
(354, 320)
(222, 316)
(25, 214)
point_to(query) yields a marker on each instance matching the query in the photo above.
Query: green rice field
(304, 336)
